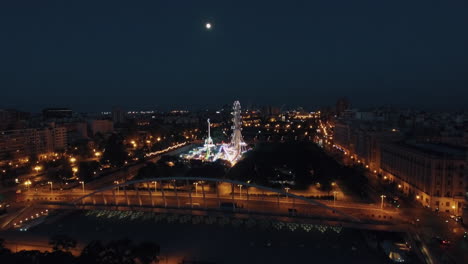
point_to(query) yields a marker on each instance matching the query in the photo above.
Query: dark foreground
(221, 240)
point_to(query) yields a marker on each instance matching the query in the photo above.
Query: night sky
(92, 55)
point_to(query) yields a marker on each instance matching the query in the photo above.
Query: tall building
(101, 126)
(76, 131)
(56, 113)
(11, 119)
(269, 110)
(59, 135)
(364, 140)
(341, 105)
(118, 115)
(22, 143)
(435, 174)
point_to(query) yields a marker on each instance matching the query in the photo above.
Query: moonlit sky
(92, 55)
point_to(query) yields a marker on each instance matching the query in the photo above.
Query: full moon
(208, 25)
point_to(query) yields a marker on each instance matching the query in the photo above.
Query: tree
(148, 171)
(86, 170)
(119, 251)
(62, 243)
(215, 169)
(91, 252)
(3, 250)
(99, 140)
(146, 252)
(80, 148)
(139, 154)
(114, 152)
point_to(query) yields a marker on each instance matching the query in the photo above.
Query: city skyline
(206, 131)
(162, 54)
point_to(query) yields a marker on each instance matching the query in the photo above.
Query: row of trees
(96, 252)
(307, 162)
(170, 166)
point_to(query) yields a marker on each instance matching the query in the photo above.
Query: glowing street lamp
(75, 170)
(37, 169)
(287, 191)
(381, 204)
(334, 197)
(51, 186)
(196, 189)
(118, 189)
(97, 154)
(82, 184)
(72, 160)
(27, 183)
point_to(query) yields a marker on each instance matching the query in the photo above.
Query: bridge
(200, 195)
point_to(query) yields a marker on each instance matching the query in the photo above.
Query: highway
(267, 204)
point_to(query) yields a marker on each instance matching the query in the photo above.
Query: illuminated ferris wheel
(237, 145)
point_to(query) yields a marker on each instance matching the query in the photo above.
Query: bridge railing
(178, 192)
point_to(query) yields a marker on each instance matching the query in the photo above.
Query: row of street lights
(28, 183)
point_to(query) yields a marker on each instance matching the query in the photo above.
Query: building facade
(102, 126)
(434, 174)
(23, 143)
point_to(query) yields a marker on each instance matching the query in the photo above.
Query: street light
(381, 204)
(155, 185)
(82, 184)
(51, 186)
(334, 198)
(196, 189)
(240, 190)
(37, 169)
(118, 189)
(287, 190)
(72, 160)
(27, 183)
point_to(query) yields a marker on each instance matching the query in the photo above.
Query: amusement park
(232, 151)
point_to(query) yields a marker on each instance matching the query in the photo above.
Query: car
(394, 201)
(442, 242)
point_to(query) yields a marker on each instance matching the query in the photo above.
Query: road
(427, 224)
(260, 204)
